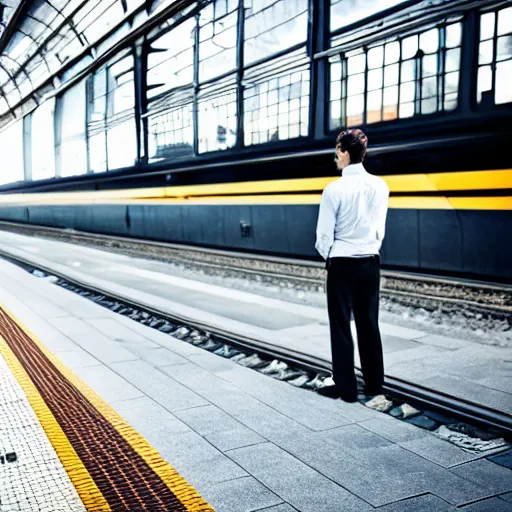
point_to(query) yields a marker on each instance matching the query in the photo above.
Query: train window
(72, 122)
(276, 101)
(272, 26)
(217, 39)
(217, 120)
(43, 143)
(415, 75)
(495, 58)
(11, 143)
(171, 60)
(171, 129)
(346, 12)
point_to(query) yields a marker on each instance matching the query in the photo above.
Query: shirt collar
(353, 169)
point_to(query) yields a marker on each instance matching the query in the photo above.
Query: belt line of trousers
(353, 287)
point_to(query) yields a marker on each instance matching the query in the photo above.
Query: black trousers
(353, 286)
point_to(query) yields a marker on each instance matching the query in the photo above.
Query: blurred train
(213, 124)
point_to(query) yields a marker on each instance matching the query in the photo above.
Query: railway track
(291, 365)
(408, 289)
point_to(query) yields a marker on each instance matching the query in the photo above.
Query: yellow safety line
(432, 182)
(187, 495)
(87, 490)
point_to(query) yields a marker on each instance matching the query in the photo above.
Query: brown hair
(355, 142)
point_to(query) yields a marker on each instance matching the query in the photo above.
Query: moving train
(213, 123)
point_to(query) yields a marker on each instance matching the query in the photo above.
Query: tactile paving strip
(127, 480)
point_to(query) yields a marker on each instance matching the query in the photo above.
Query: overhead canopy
(39, 38)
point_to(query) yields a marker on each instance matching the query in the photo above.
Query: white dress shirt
(352, 216)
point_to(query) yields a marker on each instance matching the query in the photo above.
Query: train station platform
(95, 399)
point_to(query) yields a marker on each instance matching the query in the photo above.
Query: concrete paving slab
(115, 330)
(471, 391)
(210, 420)
(151, 420)
(424, 503)
(306, 407)
(192, 376)
(159, 357)
(439, 451)
(278, 508)
(108, 384)
(103, 348)
(243, 495)
(351, 438)
(489, 505)
(394, 430)
(507, 497)
(486, 474)
(296, 483)
(233, 439)
(158, 386)
(78, 358)
(395, 344)
(384, 474)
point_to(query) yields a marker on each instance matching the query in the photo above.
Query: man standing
(350, 230)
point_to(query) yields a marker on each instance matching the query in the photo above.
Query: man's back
(352, 214)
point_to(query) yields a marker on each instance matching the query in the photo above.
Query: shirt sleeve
(326, 223)
(383, 212)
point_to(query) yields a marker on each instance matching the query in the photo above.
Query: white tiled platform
(36, 481)
(245, 441)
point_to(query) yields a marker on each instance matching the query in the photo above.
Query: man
(351, 225)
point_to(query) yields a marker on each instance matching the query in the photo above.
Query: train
(213, 124)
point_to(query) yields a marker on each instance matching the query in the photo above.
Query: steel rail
(445, 403)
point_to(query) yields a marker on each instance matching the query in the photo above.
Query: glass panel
(380, 82)
(392, 52)
(452, 60)
(217, 121)
(484, 81)
(375, 57)
(98, 152)
(171, 64)
(495, 66)
(346, 12)
(503, 89)
(391, 75)
(429, 41)
(486, 52)
(122, 145)
(408, 71)
(406, 110)
(355, 109)
(505, 21)
(43, 143)
(375, 79)
(273, 26)
(73, 159)
(487, 26)
(121, 89)
(374, 105)
(218, 36)
(275, 109)
(11, 143)
(504, 48)
(171, 133)
(453, 35)
(409, 47)
(356, 64)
